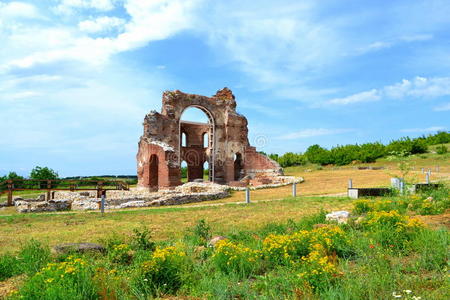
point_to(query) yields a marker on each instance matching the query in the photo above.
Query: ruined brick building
(222, 142)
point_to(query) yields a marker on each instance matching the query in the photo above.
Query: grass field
(379, 262)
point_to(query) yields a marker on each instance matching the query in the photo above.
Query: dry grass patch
(166, 223)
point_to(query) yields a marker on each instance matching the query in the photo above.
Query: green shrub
(70, 279)
(235, 258)
(162, 273)
(431, 201)
(9, 266)
(142, 239)
(442, 149)
(121, 254)
(202, 232)
(391, 229)
(33, 256)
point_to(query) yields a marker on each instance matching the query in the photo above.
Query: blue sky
(78, 76)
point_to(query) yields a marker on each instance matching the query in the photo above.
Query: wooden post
(294, 189)
(10, 192)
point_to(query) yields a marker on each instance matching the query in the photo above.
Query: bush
(442, 149)
(120, 254)
(235, 258)
(70, 279)
(391, 229)
(430, 202)
(142, 239)
(318, 270)
(286, 249)
(318, 155)
(367, 205)
(9, 266)
(202, 232)
(33, 257)
(162, 273)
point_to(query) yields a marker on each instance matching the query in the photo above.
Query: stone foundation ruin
(231, 158)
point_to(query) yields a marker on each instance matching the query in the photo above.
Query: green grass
(326, 262)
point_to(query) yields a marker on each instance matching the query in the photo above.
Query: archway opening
(205, 140)
(183, 139)
(238, 166)
(206, 171)
(153, 172)
(184, 171)
(197, 125)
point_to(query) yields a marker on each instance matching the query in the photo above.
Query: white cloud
(443, 107)
(101, 24)
(68, 6)
(419, 87)
(367, 96)
(429, 129)
(379, 45)
(306, 133)
(14, 10)
(150, 20)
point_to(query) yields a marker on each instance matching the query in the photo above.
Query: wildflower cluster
(58, 271)
(430, 203)
(369, 205)
(392, 219)
(121, 254)
(72, 276)
(317, 269)
(232, 257)
(312, 252)
(162, 271)
(290, 248)
(391, 229)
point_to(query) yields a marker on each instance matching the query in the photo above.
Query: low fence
(12, 185)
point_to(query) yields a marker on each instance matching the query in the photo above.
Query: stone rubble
(136, 197)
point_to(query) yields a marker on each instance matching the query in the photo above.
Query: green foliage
(381, 253)
(231, 257)
(318, 155)
(33, 256)
(162, 273)
(202, 232)
(121, 254)
(366, 153)
(42, 173)
(142, 239)
(291, 159)
(9, 266)
(70, 279)
(442, 149)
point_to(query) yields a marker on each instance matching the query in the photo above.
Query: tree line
(365, 153)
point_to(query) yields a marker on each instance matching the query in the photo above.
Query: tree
(318, 155)
(44, 173)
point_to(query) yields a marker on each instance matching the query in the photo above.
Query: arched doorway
(197, 124)
(237, 166)
(153, 172)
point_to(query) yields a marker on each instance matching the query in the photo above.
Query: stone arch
(211, 138)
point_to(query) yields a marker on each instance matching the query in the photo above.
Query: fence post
(294, 189)
(10, 192)
(247, 195)
(427, 177)
(102, 203)
(402, 186)
(350, 183)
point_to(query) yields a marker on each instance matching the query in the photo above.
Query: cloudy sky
(78, 76)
